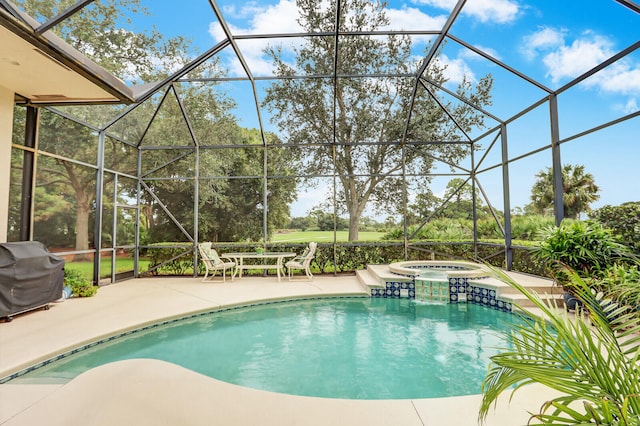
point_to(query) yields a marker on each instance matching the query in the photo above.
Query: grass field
(322, 236)
(122, 265)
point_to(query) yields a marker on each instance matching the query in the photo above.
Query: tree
(325, 221)
(623, 220)
(579, 190)
(459, 203)
(95, 32)
(230, 209)
(302, 223)
(98, 32)
(370, 113)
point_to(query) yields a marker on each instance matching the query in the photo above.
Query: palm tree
(592, 360)
(579, 191)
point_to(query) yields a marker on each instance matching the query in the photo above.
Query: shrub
(528, 227)
(79, 284)
(622, 284)
(582, 246)
(350, 257)
(525, 227)
(176, 260)
(623, 220)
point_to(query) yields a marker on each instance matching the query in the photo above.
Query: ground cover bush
(85, 268)
(592, 253)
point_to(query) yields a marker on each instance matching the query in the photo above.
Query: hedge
(177, 259)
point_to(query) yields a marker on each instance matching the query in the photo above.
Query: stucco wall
(6, 128)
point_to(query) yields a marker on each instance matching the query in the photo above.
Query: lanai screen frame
(497, 133)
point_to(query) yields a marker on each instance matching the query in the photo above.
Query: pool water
(434, 274)
(358, 348)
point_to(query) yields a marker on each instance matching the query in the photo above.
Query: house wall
(6, 129)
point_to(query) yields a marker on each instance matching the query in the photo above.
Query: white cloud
(409, 18)
(545, 38)
(622, 77)
(279, 18)
(630, 107)
(497, 11)
(247, 10)
(500, 11)
(573, 60)
(456, 69)
(272, 19)
(564, 61)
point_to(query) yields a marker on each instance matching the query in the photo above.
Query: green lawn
(122, 265)
(322, 236)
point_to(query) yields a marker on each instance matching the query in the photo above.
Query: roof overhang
(42, 69)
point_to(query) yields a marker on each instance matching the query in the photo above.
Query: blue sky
(548, 40)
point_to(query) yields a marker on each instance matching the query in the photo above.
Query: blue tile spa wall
(396, 290)
(460, 291)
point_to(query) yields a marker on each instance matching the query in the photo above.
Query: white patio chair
(302, 261)
(214, 263)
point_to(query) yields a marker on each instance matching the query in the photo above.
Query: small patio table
(266, 256)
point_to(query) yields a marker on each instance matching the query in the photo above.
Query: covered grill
(30, 277)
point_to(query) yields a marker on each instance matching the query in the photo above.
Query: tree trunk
(356, 207)
(83, 209)
(82, 230)
(354, 227)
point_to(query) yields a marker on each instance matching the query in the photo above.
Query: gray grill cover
(30, 276)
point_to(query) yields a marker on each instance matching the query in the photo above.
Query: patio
(154, 392)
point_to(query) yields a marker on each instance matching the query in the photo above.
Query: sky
(549, 41)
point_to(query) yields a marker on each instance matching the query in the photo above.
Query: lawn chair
(303, 262)
(213, 263)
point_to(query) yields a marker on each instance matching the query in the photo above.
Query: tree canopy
(369, 147)
(178, 131)
(579, 190)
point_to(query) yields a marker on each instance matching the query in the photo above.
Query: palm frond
(591, 359)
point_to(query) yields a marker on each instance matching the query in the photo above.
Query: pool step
(520, 300)
(368, 280)
(375, 276)
(543, 286)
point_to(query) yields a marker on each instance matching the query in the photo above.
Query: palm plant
(579, 191)
(592, 360)
(622, 283)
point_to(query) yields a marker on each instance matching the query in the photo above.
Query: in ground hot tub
(442, 282)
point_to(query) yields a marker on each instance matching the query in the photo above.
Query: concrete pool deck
(150, 392)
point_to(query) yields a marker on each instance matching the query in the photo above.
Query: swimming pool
(339, 348)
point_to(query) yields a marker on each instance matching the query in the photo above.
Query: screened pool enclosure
(223, 121)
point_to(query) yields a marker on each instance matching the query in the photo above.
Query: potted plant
(80, 285)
